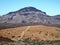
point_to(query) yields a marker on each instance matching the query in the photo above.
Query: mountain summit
(29, 15)
(26, 9)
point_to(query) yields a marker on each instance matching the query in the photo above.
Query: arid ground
(39, 32)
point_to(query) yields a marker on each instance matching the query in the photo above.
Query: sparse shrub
(8, 32)
(28, 30)
(46, 34)
(32, 34)
(52, 34)
(40, 32)
(57, 30)
(56, 36)
(19, 36)
(13, 36)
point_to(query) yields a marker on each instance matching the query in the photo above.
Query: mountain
(40, 30)
(30, 15)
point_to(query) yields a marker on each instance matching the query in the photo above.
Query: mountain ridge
(30, 15)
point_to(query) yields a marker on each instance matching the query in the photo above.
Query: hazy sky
(51, 7)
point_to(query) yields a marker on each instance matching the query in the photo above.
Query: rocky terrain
(29, 15)
(31, 42)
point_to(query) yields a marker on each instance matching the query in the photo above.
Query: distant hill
(29, 15)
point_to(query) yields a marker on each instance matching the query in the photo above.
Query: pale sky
(51, 7)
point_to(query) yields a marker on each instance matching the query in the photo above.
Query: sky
(51, 7)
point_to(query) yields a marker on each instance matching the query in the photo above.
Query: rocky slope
(30, 15)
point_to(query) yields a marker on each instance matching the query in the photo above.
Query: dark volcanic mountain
(30, 15)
